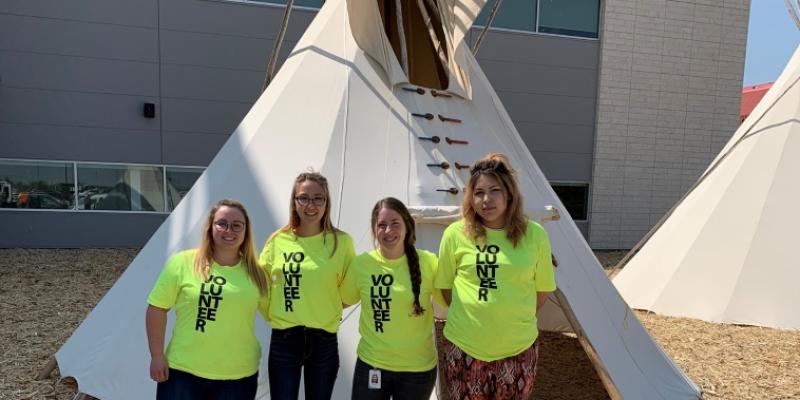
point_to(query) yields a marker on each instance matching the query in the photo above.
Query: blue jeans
(312, 352)
(185, 386)
(394, 385)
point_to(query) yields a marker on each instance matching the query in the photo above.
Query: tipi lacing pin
(463, 166)
(455, 141)
(442, 165)
(434, 139)
(448, 119)
(427, 116)
(415, 90)
(451, 190)
(436, 93)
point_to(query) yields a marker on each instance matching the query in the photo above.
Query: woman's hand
(159, 370)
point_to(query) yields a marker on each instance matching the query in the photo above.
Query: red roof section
(751, 95)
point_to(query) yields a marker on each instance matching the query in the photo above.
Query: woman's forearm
(156, 325)
(447, 295)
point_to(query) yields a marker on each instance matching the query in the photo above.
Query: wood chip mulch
(46, 293)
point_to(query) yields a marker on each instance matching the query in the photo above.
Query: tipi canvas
(339, 105)
(727, 252)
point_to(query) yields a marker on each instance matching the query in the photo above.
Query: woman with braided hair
(394, 283)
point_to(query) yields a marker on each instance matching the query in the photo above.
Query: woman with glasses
(495, 272)
(394, 283)
(306, 261)
(216, 290)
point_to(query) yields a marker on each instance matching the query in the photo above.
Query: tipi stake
(434, 139)
(455, 141)
(442, 165)
(451, 190)
(448, 119)
(415, 90)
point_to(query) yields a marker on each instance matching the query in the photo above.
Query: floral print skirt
(507, 378)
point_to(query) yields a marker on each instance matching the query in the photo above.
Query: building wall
(75, 75)
(548, 85)
(669, 92)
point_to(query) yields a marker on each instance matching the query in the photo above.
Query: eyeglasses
(305, 200)
(235, 226)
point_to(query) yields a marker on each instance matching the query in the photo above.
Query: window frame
(268, 3)
(587, 185)
(536, 25)
(75, 164)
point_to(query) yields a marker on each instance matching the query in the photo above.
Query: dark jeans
(394, 385)
(185, 386)
(314, 352)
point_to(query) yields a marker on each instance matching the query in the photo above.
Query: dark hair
(397, 206)
(294, 217)
(495, 165)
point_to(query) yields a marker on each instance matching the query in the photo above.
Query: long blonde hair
(294, 216)
(495, 165)
(204, 256)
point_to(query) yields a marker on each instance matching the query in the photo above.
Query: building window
(560, 17)
(297, 3)
(513, 14)
(37, 184)
(179, 181)
(571, 18)
(120, 188)
(575, 197)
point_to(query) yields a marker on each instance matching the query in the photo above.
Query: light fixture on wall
(149, 110)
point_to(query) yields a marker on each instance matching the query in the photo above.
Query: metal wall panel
(49, 142)
(118, 12)
(44, 229)
(77, 38)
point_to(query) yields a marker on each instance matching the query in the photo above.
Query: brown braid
(416, 275)
(412, 257)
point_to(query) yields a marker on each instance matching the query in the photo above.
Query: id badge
(374, 379)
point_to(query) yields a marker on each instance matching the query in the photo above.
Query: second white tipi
(728, 251)
(339, 104)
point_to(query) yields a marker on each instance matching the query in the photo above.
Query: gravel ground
(47, 293)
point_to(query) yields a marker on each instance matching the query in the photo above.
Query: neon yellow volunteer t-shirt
(214, 334)
(493, 310)
(392, 338)
(306, 278)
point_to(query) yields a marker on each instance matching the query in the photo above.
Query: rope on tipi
(489, 20)
(793, 12)
(402, 36)
(276, 47)
(437, 44)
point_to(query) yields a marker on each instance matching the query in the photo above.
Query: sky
(772, 38)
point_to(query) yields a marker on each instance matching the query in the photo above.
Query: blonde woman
(495, 272)
(306, 261)
(216, 291)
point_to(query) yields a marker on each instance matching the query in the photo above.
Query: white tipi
(727, 252)
(339, 105)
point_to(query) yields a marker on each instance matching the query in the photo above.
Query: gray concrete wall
(75, 76)
(669, 93)
(548, 85)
